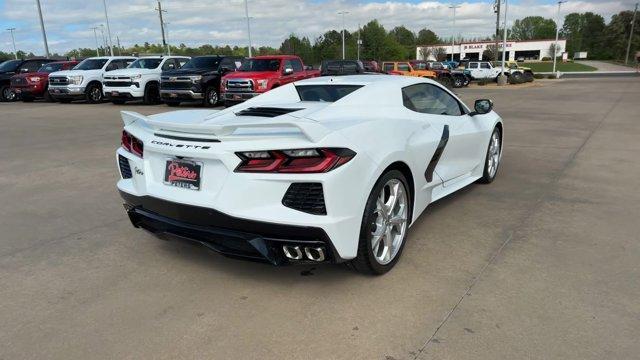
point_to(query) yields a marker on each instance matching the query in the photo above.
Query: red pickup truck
(260, 74)
(30, 86)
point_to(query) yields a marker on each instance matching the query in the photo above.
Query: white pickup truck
(141, 80)
(84, 82)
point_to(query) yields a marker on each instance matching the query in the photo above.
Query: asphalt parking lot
(541, 264)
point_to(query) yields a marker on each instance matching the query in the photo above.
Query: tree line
(583, 32)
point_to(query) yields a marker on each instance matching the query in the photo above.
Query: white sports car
(330, 169)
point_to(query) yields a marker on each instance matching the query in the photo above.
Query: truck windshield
(260, 65)
(51, 67)
(325, 93)
(91, 64)
(10, 65)
(145, 64)
(202, 63)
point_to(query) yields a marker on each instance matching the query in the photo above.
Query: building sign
(482, 46)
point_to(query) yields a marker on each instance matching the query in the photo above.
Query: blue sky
(221, 22)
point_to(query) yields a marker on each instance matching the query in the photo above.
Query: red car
(260, 74)
(31, 86)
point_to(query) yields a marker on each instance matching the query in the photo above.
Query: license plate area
(182, 173)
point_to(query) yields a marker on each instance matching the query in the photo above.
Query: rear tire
(528, 77)
(94, 94)
(386, 226)
(151, 95)
(458, 82)
(493, 157)
(446, 81)
(516, 78)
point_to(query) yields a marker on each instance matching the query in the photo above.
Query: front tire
(492, 160)
(94, 94)
(151, 95)
(6, 94)
(384, 225)
(211, 97)
(458, 82)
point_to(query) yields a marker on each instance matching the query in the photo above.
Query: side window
(430, 99)
(297, 65)
(180, 62)
(403, 67)
(31, 66)
(228, 63)
(473, 65)
(169, 64)
(485, 66)
(288, 65)
(127, 62)
(112, 65)
(388, 67)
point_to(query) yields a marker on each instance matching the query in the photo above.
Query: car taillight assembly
(294, 160)
(132, 144)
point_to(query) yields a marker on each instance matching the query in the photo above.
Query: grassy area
(547, 66)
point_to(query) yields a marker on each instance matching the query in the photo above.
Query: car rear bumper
(225, 234)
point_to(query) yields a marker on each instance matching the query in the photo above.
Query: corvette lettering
(182, 146)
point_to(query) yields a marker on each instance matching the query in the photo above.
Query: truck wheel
(94, 94)
(458, 82)
(516, 78)
(6, 94)
(445, 81)
(528, 77)
(47, 97)
(211, 97)
(151, 95)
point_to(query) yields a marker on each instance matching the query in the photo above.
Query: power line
(246, 13)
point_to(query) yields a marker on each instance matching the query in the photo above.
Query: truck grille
(18, 81)
(175, 83)
(305, 197)
(114, 83)
(239, 85)
(58, 80)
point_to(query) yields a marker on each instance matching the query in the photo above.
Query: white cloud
(221, 22)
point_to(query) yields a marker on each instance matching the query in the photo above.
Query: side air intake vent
(306, 197)
(125, 169)
(265, 111)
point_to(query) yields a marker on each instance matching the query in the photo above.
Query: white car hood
(78, 72)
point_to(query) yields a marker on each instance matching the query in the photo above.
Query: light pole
(104, 39)
(343, 13)
(246, 14)
(555, 46)
(502, 80)
(633, 22)
(162, 23)
(95, 35)
(166, 29)
(106, 17)
(453, 36)
(359, 41)
(13, 40)
(44, 33)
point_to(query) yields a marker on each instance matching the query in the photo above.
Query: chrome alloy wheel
(212, 97)
(96, 94)
(390, 221)
(493, 157)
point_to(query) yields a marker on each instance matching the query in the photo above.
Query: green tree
(407, 40)
(617, 35)
(533, 28)
(427, 37)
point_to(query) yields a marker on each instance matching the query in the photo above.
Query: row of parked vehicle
(206, 79)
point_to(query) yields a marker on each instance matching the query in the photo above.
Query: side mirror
(24, 70)
(482, 106)
(288, 71)
(225, 69)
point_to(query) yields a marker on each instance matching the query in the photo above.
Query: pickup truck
(31, 86)
(405, 68)
(341, 67)
(141, 80)
(260, 74)
(198, 80)
(84, 81)
(516, 69)
(13, 67)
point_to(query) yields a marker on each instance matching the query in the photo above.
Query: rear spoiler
(312, 130)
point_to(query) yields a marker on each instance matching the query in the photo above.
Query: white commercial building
(532, 50)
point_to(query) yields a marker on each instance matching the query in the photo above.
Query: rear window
(325, 93)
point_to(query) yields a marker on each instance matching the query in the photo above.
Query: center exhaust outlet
(314, 253)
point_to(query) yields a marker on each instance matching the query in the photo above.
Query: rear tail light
(294, 161)
(132, 144)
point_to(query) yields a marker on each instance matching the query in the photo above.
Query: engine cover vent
(265, 111)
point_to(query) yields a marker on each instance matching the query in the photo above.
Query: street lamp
(106, 17)
(555, 46)
(343, 13)
(453, 35)
(246, 13)
(44, 33)
(502, 80)
(13, 40)
(95, 35)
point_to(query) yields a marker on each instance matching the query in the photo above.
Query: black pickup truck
(197, 80)
(13, 67)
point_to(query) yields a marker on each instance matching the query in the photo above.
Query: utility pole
(13, 40)
(343, 13)
(118, 43)
(359, 41)
(504, 41)
(633, 22)
(453, 36)
(106, 17)
(166, 27)
(246, 13)
(497, 10)
(44, 33)
(160, 11)
(95, 35)
(104, 39)
(555, 46)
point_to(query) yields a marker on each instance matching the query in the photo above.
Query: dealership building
(532, 50)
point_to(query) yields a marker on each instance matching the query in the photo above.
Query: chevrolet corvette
(329, 169)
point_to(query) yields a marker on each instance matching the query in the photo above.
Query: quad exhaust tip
(311, 253)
